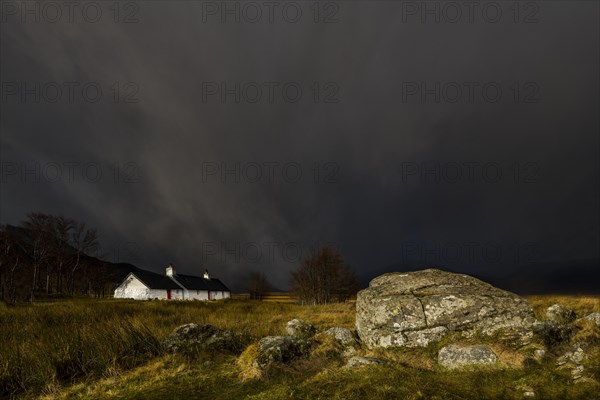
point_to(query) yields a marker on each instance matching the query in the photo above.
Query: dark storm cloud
(157, 155)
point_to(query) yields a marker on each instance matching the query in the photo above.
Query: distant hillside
(30, 266)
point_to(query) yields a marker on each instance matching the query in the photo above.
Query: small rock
(577, 372)
(578, 355)
(560, 314)
(357, 361)
(562, 360)
(342, 335)
(300, 329)
(552, 333)
(349, 352)
(185, 331)
(456, 356)
(528, 392)
(574, 356)
(539, 326)
(594, 317)
(204, 337)
(539, 355)
(281, 349)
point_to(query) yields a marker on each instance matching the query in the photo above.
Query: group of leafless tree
(257, 285)
(322, 278)
(47, 255)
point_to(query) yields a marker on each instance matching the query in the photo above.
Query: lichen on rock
(456, 356)
(416, 308)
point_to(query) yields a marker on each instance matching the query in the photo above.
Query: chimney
(170, 270)
(206, 274)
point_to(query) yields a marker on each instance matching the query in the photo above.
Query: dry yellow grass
(327, 347)
(246, 363)
(583, 305)
(113, 348)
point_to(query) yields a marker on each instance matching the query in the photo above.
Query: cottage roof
(189, 282)
(154, 280)
(197, 283)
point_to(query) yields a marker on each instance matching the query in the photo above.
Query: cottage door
(168, 294)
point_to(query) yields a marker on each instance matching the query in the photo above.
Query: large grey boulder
(456, 356)
(281, 349)
(416, 308)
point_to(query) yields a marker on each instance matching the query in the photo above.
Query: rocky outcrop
(573, 360)
(301, 342)
(568, 340)
(194, 337)
(456, 356)
(417, 308)
(281, 349)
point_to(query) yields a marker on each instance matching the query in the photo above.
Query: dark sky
(469, 143)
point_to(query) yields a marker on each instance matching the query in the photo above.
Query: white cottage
(145, 285)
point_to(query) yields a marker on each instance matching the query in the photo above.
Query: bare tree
(83, 241)
(50, 247)
(347, 284)
(258, 284)
(61, 249)
(322, 278)
(39, 228)
(98, 276)
(10, 256)
(13, 258)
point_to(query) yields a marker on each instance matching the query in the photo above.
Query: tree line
(321, 277)
(50, 255)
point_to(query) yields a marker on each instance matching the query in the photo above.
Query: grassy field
(97, 349)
